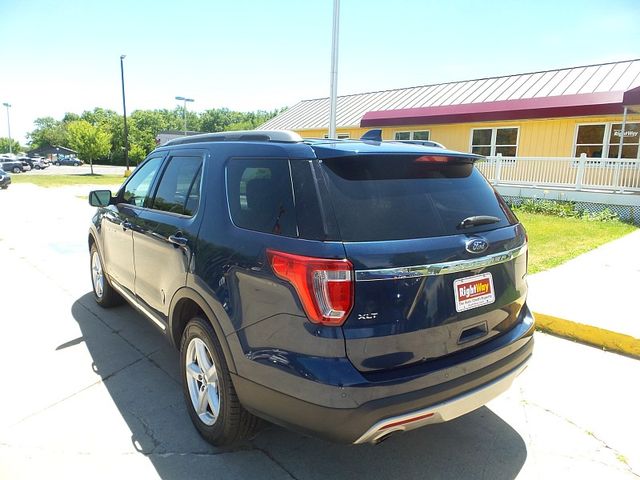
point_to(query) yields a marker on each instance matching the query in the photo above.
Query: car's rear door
(428, 283)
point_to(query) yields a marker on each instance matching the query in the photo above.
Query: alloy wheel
(96, 275)
(202, 381)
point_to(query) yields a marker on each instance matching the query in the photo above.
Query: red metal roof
(600, 103)
(575, 83)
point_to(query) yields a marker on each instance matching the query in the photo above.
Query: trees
(4, 146)
(48, 132)
(90, 142)
(144, 126)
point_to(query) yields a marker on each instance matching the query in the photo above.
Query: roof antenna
(373, 135)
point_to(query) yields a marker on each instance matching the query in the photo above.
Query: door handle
(178, 240)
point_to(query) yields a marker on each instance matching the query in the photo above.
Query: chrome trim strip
(445, 411)
(444, 268)
(138, 306)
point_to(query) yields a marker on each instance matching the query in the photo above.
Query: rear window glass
(394, 198)
(260, 195)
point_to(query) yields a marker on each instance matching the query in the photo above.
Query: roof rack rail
(285, 136)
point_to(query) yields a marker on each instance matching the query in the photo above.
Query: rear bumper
(397, 408)
(442, 412)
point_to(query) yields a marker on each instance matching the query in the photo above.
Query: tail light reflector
(325, 286)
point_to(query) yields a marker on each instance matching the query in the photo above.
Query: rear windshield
(394, 198)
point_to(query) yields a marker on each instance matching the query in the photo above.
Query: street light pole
(8, 124)
(124, 109)
(333, 98)
(184, 111)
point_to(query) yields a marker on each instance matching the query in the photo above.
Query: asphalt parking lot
(93, 393)
(83, 169)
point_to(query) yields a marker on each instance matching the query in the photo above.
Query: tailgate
(421, 311)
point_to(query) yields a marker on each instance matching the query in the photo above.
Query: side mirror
(100, 198)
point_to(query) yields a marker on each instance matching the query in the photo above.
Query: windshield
(400, 197)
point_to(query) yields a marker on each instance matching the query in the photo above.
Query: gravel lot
(93, 393)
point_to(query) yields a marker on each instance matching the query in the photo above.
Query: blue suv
(345, 289)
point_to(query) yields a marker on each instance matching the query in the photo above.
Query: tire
(57, 164)
(38, 167)
(231, 423)
(103, 292)
(16, 170)
(4, 187)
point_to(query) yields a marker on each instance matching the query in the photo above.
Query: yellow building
(555, 113)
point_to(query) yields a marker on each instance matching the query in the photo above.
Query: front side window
(179, 187)
(137, 188)
(494, 141)
(260, 196)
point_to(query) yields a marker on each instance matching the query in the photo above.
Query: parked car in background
(346, 289)
(35, 163)
(26, 166)
(8, 165)
(73, 161)
(5, 179)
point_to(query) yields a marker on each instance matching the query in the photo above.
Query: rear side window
(179, 187)
(394, 198)
(260, 196)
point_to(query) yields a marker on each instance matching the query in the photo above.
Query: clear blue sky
(58, 56)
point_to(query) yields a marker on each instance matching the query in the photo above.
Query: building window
(341, 136)
(630, 142)
(590, 140)
(493, 141)
(603, 140)
(412, 135)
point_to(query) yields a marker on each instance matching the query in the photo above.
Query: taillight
(325, 286)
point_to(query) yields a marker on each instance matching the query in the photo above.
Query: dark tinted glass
(392, 198)
(590, 134)
(631, 133)
(260, 196)
(137, 188)
(486, 151)
(312, 219)
(179, 187)
(594, 151)
(506, 136)
(628, 151)
(506, 151)
(482, 136)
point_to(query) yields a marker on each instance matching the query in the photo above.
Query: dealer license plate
(473, 292)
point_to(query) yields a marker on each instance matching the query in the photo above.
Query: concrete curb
(599, 337)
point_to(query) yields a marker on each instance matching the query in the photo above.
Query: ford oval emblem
(476, 245)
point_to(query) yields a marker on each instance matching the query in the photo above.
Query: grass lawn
(66, 180)
(554, 240)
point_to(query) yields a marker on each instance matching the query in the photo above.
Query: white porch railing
(582, 173)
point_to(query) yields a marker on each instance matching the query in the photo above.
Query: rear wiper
(477, 220)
